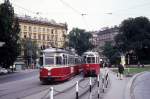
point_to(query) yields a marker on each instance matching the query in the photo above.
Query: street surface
(141, 86)
(117, 88)
(18, 75)
(26, 85)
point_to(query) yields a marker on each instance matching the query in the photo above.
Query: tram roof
(54, 50)
(90, 53)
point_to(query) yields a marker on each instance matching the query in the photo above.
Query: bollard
(51, 93)
(106, 80)
(98, 81)
(90, 84)
(103, 80)
(98, 86)
(106, 83)
(98, 94)
(103, 88)
(77, 90)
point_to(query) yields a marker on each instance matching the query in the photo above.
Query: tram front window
(58, 60)
(49, 61)
(90, 60)
(93, 59)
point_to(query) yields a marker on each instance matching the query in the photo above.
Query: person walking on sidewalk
(120, 70)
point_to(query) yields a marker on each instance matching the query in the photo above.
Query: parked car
(3, 71)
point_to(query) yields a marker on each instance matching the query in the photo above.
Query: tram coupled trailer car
(91, 63)
(58, 65)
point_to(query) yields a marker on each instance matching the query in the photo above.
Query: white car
(3, 71)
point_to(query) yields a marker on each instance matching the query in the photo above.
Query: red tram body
(58, 65)
(91, 63)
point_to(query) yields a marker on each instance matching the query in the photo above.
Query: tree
(30, 50)
(79, 39)
(111, 53)
(9, 33)
(134, 37)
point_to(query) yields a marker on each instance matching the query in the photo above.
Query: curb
(129, 88)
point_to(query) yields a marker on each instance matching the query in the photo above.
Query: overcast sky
(99, 13)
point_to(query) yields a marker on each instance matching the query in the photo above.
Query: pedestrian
(142, 65)
(120, 71)
(138, 64)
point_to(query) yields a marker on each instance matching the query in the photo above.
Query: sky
(91, 15)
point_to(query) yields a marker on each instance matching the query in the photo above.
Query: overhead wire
(77, 12)
(129, 8)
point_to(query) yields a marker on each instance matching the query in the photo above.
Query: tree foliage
(135, 36)
(111, 53)
(79, 39)
(9, 33)
(30, 50)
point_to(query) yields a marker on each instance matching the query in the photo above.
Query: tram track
(35, 90)
(60, 92)
(82, 91)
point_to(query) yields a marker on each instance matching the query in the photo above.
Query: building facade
(99, 38)
(43, 32)
(107, 35)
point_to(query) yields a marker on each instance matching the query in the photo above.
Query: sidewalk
(118, 88)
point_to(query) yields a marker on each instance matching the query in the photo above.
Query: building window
(43, 37)
(25, 28)
(47, 37)
(47, 30)
(43, 30)
(56, 32)
(52, 31)
(34, 36)
(25, 34)
(39, 30)
(34, 29)
(39, 36)
(30, 29)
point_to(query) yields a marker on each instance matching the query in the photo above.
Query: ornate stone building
(42, 31)
(102, 36)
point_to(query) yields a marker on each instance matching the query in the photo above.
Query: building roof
(42, 21)
(108, 30)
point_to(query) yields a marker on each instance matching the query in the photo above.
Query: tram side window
(88, 59)
(49, 60)
(84, 59)
(93, 59)
(76, 61)
(58, 60)
(64, 60)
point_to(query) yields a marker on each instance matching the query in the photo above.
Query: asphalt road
(18, 75)
(26, 85)
(141, 86)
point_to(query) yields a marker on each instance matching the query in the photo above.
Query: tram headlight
(49, 72)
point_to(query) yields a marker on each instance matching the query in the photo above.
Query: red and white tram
(91, 63)
(58, 65)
